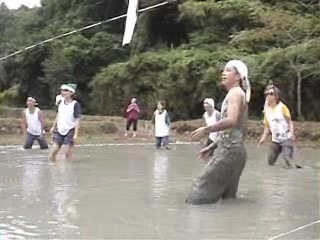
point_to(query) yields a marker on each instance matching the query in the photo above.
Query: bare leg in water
(54, 152)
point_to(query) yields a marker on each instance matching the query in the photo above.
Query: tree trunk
(300, 116)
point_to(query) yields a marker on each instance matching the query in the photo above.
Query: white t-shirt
(68, 116)
(33, 122)
(278, 124)
(210, 120)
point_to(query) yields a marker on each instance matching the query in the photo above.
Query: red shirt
(133, 111)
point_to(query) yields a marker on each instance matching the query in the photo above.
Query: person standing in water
(32, 125)
(277, 120)
(220, 177)
(132, 112)
(161, 125)
(67, 122)
(210, 116)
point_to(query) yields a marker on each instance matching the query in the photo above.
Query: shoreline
(110, 129)
(118, 139)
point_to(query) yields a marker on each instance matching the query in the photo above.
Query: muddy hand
(204, 154)
(198, 134)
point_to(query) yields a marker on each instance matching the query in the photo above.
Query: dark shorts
(133, 122)
(286, 148)
(39, 138)
(220, 177)
(64, 139)
(162, 141)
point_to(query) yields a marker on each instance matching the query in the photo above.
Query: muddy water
(139, 192)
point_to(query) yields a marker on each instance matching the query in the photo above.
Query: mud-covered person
(220, 177)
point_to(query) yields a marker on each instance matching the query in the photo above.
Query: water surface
(139, 192)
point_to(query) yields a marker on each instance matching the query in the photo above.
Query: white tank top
(161, 127)
(66, 120)
(279, 126)
(210, 120)
(33, 122)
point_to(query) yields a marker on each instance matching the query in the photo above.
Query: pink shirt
(133, 111)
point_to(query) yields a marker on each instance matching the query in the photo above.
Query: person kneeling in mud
(277, 120)
(220, 177)
(210, 117)
(32, 125)
(67, 122)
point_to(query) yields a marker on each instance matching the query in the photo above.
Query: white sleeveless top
(66, 120)
(210, 120)
(161, 127)
(33, 122)
(278, 124)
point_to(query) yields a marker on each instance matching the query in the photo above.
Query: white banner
(132, 16)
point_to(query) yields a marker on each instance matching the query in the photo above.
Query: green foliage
(177, 53)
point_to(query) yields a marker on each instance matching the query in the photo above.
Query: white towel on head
(242, 69)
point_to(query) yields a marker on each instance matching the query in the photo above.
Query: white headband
(210, 101)
(242, 69)
(32, 99)
(66, 87)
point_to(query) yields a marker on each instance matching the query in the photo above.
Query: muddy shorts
(41, 139)
(286, 148)
(64, 139)
(220, 177)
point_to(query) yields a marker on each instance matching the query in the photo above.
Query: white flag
(132, 16)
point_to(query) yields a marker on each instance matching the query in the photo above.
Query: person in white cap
(67, 122)
(220, 177)
(210, 116)
(32, 125)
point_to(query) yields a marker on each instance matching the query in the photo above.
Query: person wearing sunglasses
(277, 120)
(67, 122)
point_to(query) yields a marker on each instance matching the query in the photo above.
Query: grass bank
(108, 129)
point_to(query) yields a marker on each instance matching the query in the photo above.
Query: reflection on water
(160, 172)
(64, 189)
(31, 174)
(139, 192)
